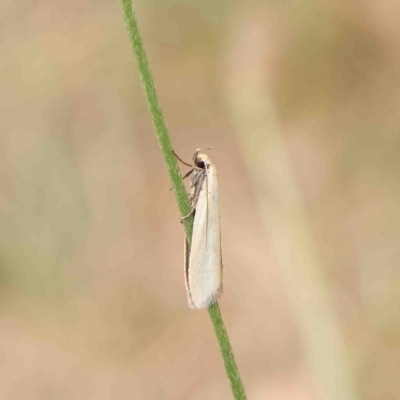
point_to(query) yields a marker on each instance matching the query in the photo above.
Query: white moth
(203, 259)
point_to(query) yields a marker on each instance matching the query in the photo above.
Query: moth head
(200, 160)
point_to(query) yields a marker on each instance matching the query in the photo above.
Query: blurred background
(299, 101)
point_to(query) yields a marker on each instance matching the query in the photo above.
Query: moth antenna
(196, 153)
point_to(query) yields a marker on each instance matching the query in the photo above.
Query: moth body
(203, 259)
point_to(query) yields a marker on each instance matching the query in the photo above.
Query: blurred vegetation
(93, 302)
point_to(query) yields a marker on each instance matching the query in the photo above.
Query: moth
(203, 259)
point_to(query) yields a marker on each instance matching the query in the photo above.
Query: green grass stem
(177, 185)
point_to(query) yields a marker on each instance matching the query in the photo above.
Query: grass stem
(164, 141)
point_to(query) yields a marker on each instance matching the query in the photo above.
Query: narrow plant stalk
(177, 185)
(157, 116)
(226, 352)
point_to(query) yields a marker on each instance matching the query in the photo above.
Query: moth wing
(205, 261)
(186, 254)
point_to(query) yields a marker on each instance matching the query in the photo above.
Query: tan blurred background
(299, 101)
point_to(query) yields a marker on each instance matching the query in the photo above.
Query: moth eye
(200, 164)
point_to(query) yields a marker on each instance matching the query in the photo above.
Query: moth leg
(187, 216)
(197, 184)
(188, 174)
(183, 162)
